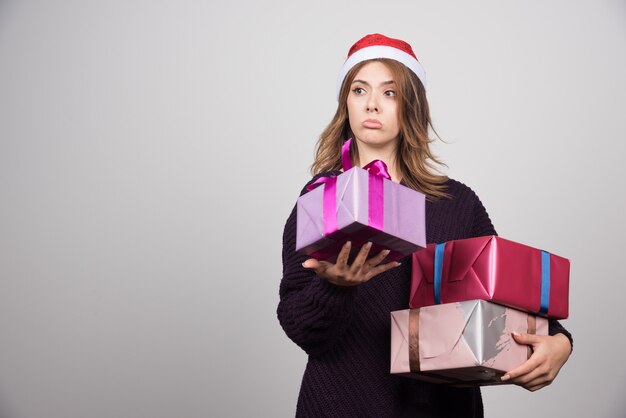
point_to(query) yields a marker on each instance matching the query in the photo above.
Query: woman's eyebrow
(384, 83)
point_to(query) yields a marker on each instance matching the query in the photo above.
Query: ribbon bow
(376, 167)
(377, 170)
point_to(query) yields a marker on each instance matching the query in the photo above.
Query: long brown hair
(416, 163)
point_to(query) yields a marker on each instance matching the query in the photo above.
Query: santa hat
(379, 46)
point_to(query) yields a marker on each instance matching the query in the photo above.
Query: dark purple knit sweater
(346, 330)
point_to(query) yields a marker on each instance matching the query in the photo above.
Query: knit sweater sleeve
(481, 223)
(481, 226)
(313, 312)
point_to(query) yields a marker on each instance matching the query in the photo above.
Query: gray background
(150, 152)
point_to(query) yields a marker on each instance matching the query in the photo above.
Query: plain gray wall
(151, 151)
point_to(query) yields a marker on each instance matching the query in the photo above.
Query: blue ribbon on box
(439, 250)
(545, 282)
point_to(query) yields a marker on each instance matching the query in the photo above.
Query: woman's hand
(550, 352)
(359, 272)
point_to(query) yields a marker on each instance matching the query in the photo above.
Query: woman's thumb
(311, 263)
(523, 338)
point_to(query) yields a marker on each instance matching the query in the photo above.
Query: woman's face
(372, 106)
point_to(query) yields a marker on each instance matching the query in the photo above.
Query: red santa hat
(379, 46)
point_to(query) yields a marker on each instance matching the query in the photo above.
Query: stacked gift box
(467, 296)
(460, 343)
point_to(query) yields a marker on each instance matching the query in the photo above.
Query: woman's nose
(372, 107)
(372, 104)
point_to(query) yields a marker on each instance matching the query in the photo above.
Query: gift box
(462, 343)
(360, 206)
(491, 268)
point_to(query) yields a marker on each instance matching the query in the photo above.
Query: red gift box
(491, 268)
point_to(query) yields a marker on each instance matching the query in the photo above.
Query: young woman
(339, 313)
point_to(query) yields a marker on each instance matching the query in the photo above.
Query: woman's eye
(390, 93)
(358, 90)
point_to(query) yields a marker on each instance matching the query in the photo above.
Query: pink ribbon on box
(330, 202)
(377, 171)
(376, 197)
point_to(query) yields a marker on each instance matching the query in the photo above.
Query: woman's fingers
(342, 258)
(527, 367)
(531, 378)
(376, 260)
(537, 387)
(550, 353)
(318, 266)
(536, 383)
(360, 271)
(381, 268)
(311, 263)
(358, 262)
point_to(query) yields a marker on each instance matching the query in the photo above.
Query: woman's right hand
(361, 270)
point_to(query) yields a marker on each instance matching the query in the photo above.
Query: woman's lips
(372, 124)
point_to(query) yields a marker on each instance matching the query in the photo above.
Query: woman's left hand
(550, 352)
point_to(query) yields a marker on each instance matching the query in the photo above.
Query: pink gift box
(460, 343)
(491, 268)
(359, 206)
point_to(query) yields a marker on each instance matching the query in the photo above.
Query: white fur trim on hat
(378, 51)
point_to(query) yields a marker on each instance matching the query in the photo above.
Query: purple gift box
(360, 206)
